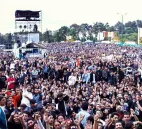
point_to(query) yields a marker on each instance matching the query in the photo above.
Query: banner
(105, 34)
(116, 38)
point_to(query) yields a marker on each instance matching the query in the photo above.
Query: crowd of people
(75, 86)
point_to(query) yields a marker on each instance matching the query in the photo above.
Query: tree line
(128, 30)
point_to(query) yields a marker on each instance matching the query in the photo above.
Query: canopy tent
(29, 50)
(121, 43)
(62, 42)
(131, 43)
(32, 45)
(77, 41)
(107, 42)
(88, 41)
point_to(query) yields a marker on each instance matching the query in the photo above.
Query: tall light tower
(122, 20)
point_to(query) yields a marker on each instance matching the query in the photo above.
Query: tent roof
(88, 41)
(77, 41)
(33, 45)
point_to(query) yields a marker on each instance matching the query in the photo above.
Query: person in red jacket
(11, 82)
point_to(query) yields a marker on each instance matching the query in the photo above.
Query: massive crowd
(75, 86)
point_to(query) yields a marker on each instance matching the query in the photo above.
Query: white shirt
(72, 80)
(34, 72)
(140, 70)
(94, 81)
(24, 99)
(12, 66)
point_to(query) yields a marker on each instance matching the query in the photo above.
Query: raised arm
(22, 122)
(95, 126)
(134, 115)
(40, 125)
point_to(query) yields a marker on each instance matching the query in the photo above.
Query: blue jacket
(3, 122)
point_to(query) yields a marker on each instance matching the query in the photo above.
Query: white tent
(62, 42)
(77, 41)
(107, 42)
(24, 44)
(130, 43)
(88, 41)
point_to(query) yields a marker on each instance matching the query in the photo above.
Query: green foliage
(73, 33)
(109, 38)
(129, 37)
(7, 38)
(129, 31)
(90, 32)
(94, 40)
(83, 39)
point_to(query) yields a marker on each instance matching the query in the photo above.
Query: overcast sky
(57, 13)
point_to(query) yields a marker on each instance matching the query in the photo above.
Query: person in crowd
(3, 121)
(84, 113)
(61, 103)
(11, 82)
(26, 96)
(77, 86)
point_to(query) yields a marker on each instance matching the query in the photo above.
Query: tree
(64, 30)
(40, 36)
(76, 27)
(129, 31)
(74, 34)
(57, 36)
(2, 40)
(8, 37)
(47, 36)
(101, 27)
(76, 30)
(107, 27)
(90, 31)
(131, 27)
(83, 39)
(129, 37)
(120, 27)
(139, 23)
(84, 28)
(95, 29)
